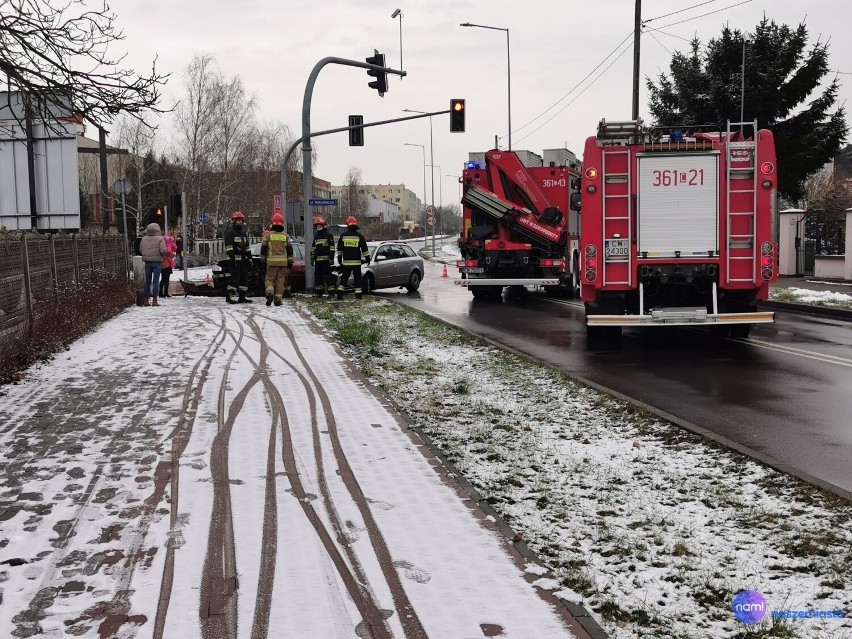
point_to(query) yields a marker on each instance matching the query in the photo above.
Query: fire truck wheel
(603, 333)
(575, 279)
(740, 330)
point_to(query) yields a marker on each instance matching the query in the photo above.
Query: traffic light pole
(295, 145)
(307, 177)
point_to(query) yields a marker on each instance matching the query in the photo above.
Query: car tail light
(767, 260)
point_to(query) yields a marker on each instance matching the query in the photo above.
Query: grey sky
(274, 44)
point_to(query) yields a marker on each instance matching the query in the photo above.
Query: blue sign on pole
(202, 218)
(317, 202)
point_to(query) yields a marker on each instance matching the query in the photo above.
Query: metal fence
(36, 268)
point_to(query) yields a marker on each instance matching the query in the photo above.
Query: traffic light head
(356, 136)
(159, 211)
(457, 116)
(380, 84)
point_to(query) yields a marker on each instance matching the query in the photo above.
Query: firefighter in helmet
(276, 247)
(322, 256)
(237, 249)
(351, 253)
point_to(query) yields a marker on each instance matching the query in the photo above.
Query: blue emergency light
(471, 165)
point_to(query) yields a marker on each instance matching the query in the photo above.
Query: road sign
(430, 210)
(276, 204)
(202, 218)
(318, 202)
(430, 220)
(122, 187)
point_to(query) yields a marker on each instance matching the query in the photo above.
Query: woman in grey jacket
(153, 249)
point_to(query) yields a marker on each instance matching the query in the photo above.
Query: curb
(808, 309)
(776, 464)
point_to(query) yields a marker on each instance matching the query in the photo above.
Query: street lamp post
(422, 148)
(440, 195)
(508, 69)
(432, 160)
(459, 180)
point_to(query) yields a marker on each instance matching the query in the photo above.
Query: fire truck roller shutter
(678, 204)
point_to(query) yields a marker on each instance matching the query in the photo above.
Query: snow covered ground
(653, 528)
(208, 470)
(830, 299)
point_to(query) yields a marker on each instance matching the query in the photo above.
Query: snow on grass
(805, 296)
(653, 527)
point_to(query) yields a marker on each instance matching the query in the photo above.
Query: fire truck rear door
(678, 204)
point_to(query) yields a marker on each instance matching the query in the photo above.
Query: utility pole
(637, 32)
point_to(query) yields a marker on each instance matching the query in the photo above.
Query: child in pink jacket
(171, 247)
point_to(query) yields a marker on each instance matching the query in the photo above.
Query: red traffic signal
(457, 116)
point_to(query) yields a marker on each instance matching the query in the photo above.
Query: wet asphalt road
(785, 392)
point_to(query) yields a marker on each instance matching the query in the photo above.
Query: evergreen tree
(780, 76)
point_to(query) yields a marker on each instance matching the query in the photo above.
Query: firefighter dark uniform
(278, 250)
(237, 249)
(351, 252)
(322, 257)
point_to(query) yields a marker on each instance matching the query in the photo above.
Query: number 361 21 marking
(673, 177)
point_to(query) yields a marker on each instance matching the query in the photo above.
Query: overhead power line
(709, 13)
(574, 88)
(666, 15)
(586, 88)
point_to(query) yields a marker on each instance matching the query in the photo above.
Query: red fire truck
(678, 227)
(517, 227)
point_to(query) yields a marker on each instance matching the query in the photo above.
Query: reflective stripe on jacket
(278, 250)
(352, 248)
(323, 248)
(236, 244)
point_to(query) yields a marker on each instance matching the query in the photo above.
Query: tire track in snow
(412, 627)
(218, 609)
(372, 616)
(180, 437)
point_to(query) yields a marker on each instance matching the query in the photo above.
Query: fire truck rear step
(493, 281)
(685, 316)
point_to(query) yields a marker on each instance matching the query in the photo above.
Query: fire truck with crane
(517, 227)
(678, 227)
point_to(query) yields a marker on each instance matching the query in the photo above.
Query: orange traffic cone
(208, 281)
(445, 271)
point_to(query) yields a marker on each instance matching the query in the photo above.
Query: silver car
(392, 264)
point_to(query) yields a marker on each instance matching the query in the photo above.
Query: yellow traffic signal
(457, 116)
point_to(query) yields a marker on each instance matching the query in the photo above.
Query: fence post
(53, 270)
(76, 255)
(25, 256)
(91, 259)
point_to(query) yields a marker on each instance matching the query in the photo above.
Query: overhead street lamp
(399, 13)
(432, 160)
(508, 69)
(422, 148)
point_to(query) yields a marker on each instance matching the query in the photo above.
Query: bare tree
(195, 127)
(234, 133)
(138, 138)
(354, 201)
(60, 59)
